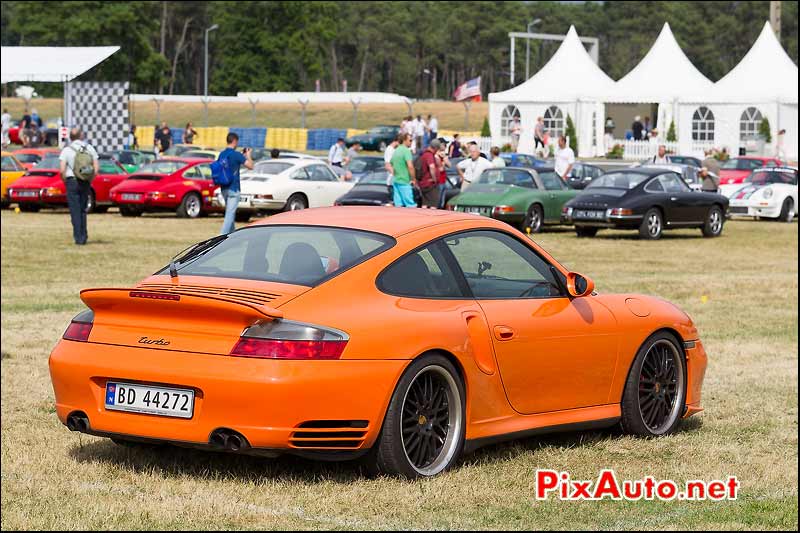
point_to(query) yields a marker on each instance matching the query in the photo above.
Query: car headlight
(768, 193)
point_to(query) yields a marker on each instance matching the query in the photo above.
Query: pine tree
(671, 135)
(765, 131)
(485, 131)
(572, 135)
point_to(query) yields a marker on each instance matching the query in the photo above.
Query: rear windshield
(49, 161)
(28, 158)
(299, 255)
(272, 167)
(618, 180)
(161, 167)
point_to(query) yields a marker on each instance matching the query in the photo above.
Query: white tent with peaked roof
(571, 83)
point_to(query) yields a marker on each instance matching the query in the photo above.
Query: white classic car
(769, 192)
(286, 185)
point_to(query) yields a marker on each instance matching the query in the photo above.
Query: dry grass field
(741, 289)
(450, 114)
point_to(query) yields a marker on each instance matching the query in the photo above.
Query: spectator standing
(711, 163)
(433, 127)
(163, 140)
(404, 176)
(25, 129)
(661, 157)
(429, 176)
(497, 161)
(188, 134)
(515, 131)
(231, 192)
(646, 129)
(79, 165)
(710, 182)
(275, 153)
(779, 151)
(417, 130)
(443, 163)
(336, 153)
(471, 168)
(387, 156)
(35, 118)
(565, 158)
(131, 142)
(455, 147)
(637, 127)
(538, 135)
(352, 153)
(6, 121)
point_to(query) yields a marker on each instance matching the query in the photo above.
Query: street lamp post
(205, 82)
(528, 48)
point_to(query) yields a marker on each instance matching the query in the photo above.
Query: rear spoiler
(149, 300)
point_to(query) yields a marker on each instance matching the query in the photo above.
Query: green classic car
(376, 139)
(522, 197)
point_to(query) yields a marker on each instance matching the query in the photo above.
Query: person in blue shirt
(231, 192)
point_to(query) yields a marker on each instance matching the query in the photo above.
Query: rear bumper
(754, 209)
(264, 400)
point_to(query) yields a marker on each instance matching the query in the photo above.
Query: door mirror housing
(579, 285)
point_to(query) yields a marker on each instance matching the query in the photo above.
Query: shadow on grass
(176, 461)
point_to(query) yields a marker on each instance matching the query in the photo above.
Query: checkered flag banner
(100, 108)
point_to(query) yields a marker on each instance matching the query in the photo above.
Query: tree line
(419, 49)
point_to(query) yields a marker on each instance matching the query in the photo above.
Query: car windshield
(108, 166)
(618, 180)
(360, 164)
(272, 167)
(764, 177)
(49, 161)
(28, 158)
(199, 155)
(299, 255)
(177, 150)
(162, 166)
(377, 177)
(741, 164)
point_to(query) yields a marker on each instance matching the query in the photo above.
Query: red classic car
(30, 157)
(42, 186)
(182, 185)
(736, 169)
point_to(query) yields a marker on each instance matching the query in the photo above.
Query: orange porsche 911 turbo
(404, 336)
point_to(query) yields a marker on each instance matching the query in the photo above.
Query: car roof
(394, 221)
(644, 169)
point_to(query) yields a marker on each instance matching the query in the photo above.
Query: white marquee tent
(570, 83)
(763, 85)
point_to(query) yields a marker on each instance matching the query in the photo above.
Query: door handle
(503, 333)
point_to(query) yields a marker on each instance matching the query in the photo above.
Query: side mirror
(578, 285)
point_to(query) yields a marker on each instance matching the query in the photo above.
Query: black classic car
(372, 189)
(647, 199)
(376, 139)
(582, 175)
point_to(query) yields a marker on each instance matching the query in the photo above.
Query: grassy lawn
(741, 290)
(450, 114)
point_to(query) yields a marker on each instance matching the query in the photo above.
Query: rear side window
(551, 181)
(422, 274)
(299, 255)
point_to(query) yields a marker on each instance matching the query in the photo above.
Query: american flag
(470, 89)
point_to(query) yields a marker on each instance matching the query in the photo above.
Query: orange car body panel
(564, 363)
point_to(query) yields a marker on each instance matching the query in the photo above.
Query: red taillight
(78, 331)
(502, 210)
(285, 349)
(154, 295)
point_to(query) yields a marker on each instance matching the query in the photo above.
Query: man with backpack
(225, 172)
(79, 166)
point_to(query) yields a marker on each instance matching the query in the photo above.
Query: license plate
(28, 194)
(148, 399)
(739, 210)
(133, 197)
(476, 210)
(589, 215)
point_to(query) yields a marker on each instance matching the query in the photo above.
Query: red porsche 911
(42, 187)
(181, 185)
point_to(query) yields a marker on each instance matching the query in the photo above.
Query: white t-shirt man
(564, 158)
(336, 155)
(387, 158)
(660, 160)
(433, 125)
(472, 169)
(70, 151)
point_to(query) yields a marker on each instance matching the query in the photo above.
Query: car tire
(296, 202)
(654, 398)
(409, 446)
(787, 210)
(534, 219)
(29, 208)
(652, 226)
(714, 223)
(585, 232)
(242, 216)
(91, 202)
(128, 211)
(191, 206)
